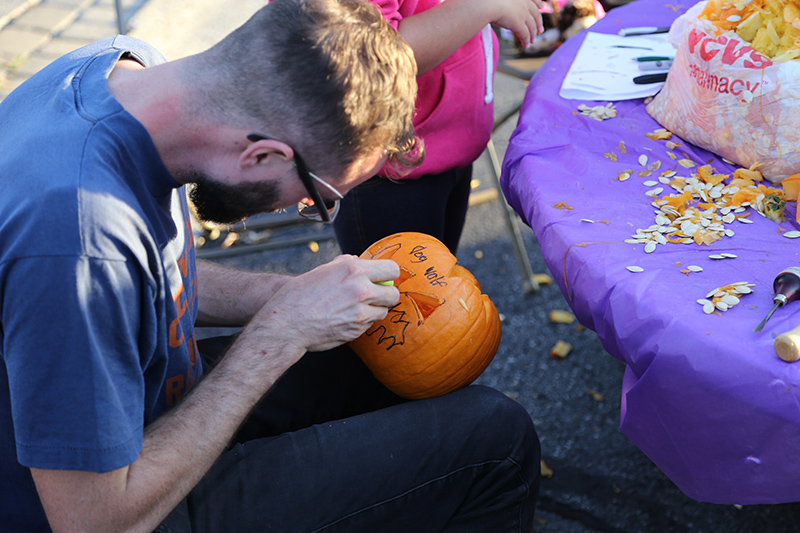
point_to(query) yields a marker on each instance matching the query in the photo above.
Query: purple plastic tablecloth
(704, 396)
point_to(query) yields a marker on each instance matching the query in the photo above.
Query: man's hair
(329, 77)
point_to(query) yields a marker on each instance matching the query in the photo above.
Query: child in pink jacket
(456, 53)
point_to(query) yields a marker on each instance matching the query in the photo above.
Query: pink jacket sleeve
(454, 112)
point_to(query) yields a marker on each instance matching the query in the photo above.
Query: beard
(220, 203)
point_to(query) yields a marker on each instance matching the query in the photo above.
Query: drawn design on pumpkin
(423, 304)
(388, 252)
(434, 278)
(395, 316)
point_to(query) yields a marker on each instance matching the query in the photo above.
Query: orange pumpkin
(443, 332)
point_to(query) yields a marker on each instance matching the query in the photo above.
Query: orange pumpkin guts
(443, 332)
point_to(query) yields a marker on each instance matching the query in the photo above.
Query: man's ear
(265, 151)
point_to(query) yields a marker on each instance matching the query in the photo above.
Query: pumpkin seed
(634, 268)
(729, 300)
(792, 234)
(600, 112)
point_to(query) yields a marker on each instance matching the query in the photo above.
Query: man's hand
(332, 304)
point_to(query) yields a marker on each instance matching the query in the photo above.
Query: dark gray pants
(435, 205)
(330, 449)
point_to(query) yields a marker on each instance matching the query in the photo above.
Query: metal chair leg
(529, 283)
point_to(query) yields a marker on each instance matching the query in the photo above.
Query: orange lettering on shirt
(190, 233)
(174, 340)
(183, 264)
(181, 305)
(175, 389)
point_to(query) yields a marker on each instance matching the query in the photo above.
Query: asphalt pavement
(598, 480)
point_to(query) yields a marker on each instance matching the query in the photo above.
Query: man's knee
(506, 422)
(504, 432)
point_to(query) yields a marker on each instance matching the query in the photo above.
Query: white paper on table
(605, 66)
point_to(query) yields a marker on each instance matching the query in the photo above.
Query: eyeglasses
(312, 212)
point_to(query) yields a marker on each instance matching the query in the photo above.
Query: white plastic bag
(724, 96)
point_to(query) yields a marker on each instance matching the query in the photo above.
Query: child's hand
(522, 17)
(436, 33)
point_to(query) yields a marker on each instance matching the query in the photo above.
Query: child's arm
(438, 32)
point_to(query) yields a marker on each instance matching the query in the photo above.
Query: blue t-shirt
(98, 287)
